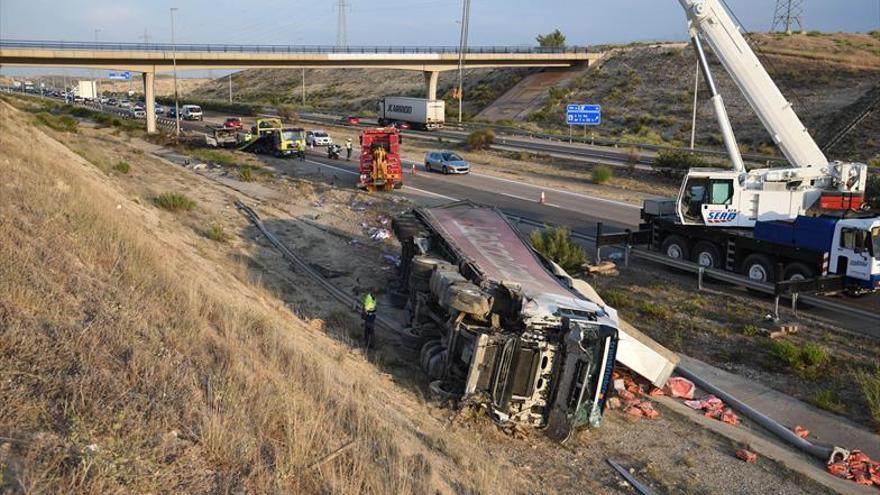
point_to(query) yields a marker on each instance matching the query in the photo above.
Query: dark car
(172, 113)
(399, 124)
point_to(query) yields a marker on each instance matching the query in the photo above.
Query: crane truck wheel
(759, 268)
(798, 271)
(707, 254)
(676, 247)
(444, 390)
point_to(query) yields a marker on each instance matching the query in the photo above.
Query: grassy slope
(130, 363)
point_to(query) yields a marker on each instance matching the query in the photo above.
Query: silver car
(446, 162)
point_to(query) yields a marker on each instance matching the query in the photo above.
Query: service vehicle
(496, 323)
(417, 112)
(380, 164)
(446, 162)
(810, 216)
(269, 136)
(318, 138)
(191, 112)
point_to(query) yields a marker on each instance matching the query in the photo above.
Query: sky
(394, 22)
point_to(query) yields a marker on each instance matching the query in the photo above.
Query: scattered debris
(200, 166)
(714, 408)
(379, 234)
(392, 259)
(778, 330)
(680, 387)
(801, 431)
(746, 455)
(604, 268)
(858, 468)
(628, 389)
(628, 476)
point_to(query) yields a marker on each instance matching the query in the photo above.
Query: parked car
(446, 162)
(105, 100)
(191, 112)
(159, 109)
(351, 120)
(113, 102)
(138, 113)
(141, 105)
(171, 113)
(233, 123)
(318, 138)
(124, 104)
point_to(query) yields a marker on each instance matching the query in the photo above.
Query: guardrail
(225, 48)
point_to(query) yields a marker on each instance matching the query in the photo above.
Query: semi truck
(87, 90)
(810, 216)
(419, 113)
(494, 322)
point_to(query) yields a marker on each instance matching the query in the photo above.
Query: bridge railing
(220, 48)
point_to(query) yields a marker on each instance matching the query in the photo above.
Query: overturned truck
(497, 323)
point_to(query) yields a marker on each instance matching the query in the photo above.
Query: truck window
(694, 197)
(855, 239)
(721, 192)
(875, 242)
(848, 238)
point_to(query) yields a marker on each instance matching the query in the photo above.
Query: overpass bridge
(152, 58)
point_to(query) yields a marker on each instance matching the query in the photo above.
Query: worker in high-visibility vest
(369, 316)
(301, 149)
(348, 149)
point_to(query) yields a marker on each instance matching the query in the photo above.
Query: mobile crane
(809, 217)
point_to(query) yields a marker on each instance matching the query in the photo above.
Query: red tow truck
(380, 165)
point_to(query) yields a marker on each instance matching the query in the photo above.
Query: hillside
(356, 90)
(647, 92)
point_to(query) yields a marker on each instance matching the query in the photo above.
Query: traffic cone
(541, 199)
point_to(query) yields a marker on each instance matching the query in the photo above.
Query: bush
(61, 123)
(555, 243)
(217, 233)
(680, 160)
(122, 167)
(601, 174)
(245, 174)
(480, 139)
(288, 114)
(806, 360)
(869, 383)
(213, 156)
(173, 201)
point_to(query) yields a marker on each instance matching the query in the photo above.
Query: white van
(191, 112)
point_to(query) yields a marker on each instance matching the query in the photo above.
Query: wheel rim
(797, 276)
(757, 272)
(706, 259)
(674, 251)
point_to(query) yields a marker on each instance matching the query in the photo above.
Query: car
(171, 113)
(113, 102)
(446, 162)
(233, 123)
(401, 125)
(191, 112)
(124, 104)
(159, 109)
(318, 138)
(141, 105)
(138, 113)
(351, 120)
(105, 100)
(78, 99)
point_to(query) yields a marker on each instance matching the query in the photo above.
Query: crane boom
(709, 20)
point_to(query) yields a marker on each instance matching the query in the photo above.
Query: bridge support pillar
(150, 101)
(431, 79)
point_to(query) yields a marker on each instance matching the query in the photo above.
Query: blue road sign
(120, 76)
(576, 114)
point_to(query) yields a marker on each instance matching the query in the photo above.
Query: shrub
(213, 156)
(680, 160)
(288, 114)
(826, 399)
(806, 360)
(814, 355)
(122, 167)
(62, 123)
(245, 174)
(601, 174)
(555, 243)
(869, 383)
(874, 162)
(615, 298)
(480, 139)
(216, 232)
(173, 201)
(751, 331)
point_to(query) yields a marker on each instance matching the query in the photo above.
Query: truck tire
(759, 267)
(443, 390)
(437, 365)
(413, 338)
(798, 271)
(676, 247)
(707, 254)
(468, 298)
(430, 348)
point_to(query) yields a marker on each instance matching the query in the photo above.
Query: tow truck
(810, 218)
(270, 136)
(380, 165)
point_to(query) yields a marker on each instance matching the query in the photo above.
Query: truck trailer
(87, 90)
(495, 322)
(417, 112)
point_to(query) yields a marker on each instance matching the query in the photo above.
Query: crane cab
(712, 197)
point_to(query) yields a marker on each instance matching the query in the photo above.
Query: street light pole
(174, 63)
(465, 19)
(230, 87)
(694, 117)
(97, 85)
(304, 87)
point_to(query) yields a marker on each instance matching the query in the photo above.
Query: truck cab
(855, 252)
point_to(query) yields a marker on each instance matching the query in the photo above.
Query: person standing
(301, 149)
(348, 150)
(369, 316)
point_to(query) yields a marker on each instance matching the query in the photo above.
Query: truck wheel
(437, 364)
(759, 268)
(798, 271)
(675, 247)
(707, 254)
(430, 348)
(443, 390)
(413, 338)
(398, 185)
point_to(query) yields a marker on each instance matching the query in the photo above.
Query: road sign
(576, 114)
(120, 76)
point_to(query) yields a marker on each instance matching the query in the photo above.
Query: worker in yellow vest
(369, 316)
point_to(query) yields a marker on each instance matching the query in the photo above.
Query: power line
(341, 25)
(789, 13)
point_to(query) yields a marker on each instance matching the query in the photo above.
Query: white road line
(561, 191)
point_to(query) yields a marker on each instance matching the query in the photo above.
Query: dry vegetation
(126, 368)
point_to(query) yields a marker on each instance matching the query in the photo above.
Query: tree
(555, 243)
(552, 40)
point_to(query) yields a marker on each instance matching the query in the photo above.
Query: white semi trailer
(417, 112)
(87, 90)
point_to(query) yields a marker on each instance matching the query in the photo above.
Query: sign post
(582, 114)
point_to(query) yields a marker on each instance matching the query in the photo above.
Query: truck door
(693, 196)
(854, 252)
(720, 207)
